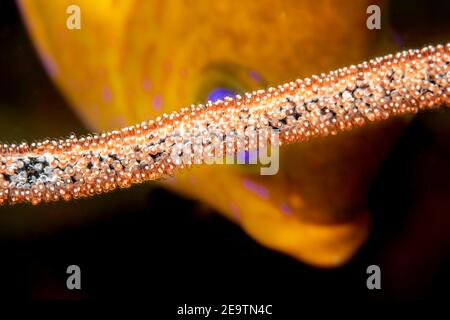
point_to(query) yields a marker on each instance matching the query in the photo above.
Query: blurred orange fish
(134, 60)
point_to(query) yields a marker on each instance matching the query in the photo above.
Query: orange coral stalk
(296, 111)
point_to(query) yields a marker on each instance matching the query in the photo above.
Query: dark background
(157, 246)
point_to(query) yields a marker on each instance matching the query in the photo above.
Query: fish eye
(220, 93)
(220, 80)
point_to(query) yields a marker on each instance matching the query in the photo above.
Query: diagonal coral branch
(340, 100)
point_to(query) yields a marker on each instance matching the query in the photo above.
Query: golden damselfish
(134, 60)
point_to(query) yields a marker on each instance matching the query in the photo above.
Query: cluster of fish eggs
(296, 111)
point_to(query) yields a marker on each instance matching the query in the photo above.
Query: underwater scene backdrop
(376, 195)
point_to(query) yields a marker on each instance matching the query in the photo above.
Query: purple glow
(286, 209)
(256, 188)
(255, 76)
(107, 95)
(397, 37)
(235, 211)
(247, 157)
(157, 102)
(49, 65)
(147, 85)
(219, 94)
